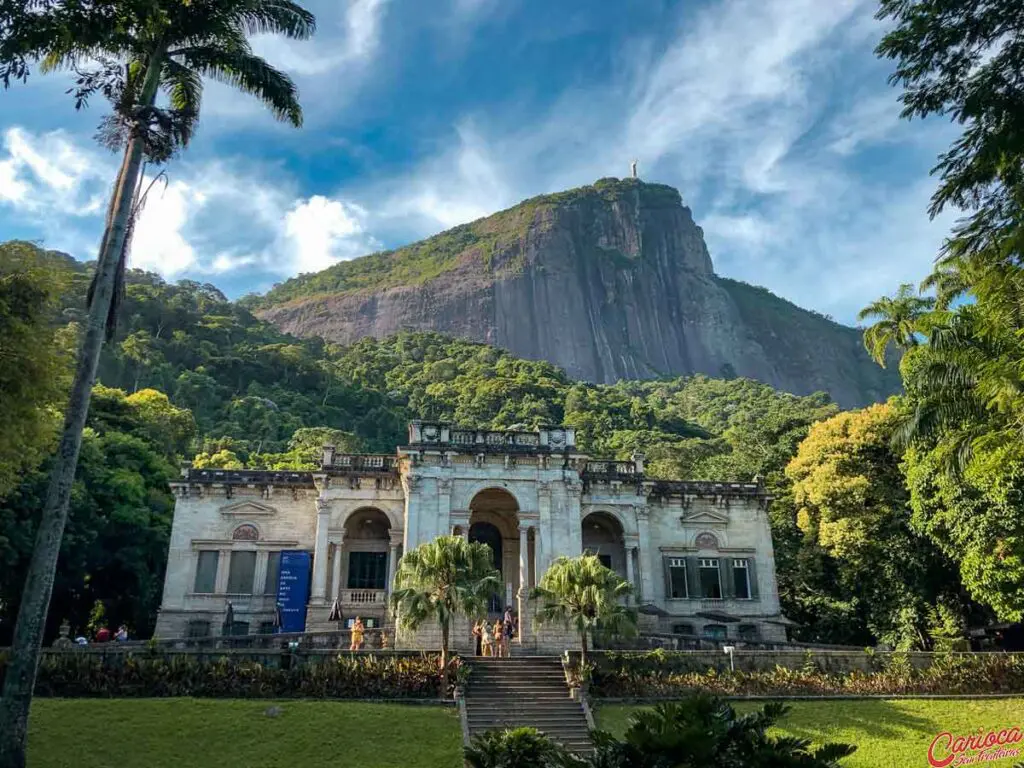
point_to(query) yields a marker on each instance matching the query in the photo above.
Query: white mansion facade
(699, 554)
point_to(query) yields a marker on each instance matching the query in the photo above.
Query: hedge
(73, 675)
(666, 675)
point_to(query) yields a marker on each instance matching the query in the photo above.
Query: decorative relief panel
(246, 533)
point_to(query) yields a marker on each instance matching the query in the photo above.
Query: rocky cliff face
(610, 281)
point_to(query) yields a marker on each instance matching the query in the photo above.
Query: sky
(773, 118)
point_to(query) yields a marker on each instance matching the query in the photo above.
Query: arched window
(246, 533)
(706, 541)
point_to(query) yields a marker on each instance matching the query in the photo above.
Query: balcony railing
(375, 597)
(362, 463)
(611, 468)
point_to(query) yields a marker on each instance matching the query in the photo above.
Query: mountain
(610, 281)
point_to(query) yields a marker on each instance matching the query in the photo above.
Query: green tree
(702, 731)
(579, 592)
(143, 47)
(853, 503)
(899, 321)
(441, 580)
(33, 372)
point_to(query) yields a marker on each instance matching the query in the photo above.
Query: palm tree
(580, 592)
(144, 48)
(898, 322)
(440, 580)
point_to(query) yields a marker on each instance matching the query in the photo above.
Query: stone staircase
(525, 691)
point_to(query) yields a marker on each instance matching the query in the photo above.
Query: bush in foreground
(75, 675)
(667, 675)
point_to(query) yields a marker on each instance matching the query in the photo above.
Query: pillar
(629, 568)
(524, 579)
(323, 520)
(647, 571)
(336, 571)
(393, 561)
(259, 580)
(223, 568)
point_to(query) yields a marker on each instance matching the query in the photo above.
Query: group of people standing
(495, 640)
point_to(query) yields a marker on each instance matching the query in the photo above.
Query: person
(498, 638)
(103, 635)
(486, 646)
(357, 634)
(122, 634)
(509, 625)
(478, 636)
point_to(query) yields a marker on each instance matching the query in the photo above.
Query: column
(538, 572)
(259, 581)
(323, 520)
(524, 580)
(544, 528)
(336, 571)
(646, 555)
(393, 560)
(629, 568)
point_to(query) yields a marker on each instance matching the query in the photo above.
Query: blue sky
(772, 117)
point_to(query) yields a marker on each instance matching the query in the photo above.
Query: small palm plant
(440, 580)
(703, 731)
(582, 593)
(518, 748)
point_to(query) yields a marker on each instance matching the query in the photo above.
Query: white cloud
(199, 219)
(321, 231)
(348, 34)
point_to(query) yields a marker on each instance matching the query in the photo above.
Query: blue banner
(293, 590)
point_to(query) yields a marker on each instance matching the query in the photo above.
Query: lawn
(888, 733)
(159, 733)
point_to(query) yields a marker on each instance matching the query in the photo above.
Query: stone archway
(494, 521)
(602, 535)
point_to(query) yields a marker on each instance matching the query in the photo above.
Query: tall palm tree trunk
(35, 601)
(444, 659)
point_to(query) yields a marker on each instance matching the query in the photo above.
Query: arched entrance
(361, 567)
(493, 520)
(603, 536)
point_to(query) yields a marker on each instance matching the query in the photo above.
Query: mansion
(284, 547)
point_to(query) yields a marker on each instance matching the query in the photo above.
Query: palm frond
(249, 73)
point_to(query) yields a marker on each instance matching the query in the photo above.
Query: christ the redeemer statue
(632, 168)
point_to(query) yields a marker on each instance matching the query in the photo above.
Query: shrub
(518, 748)
(75, 674)
(660, 674)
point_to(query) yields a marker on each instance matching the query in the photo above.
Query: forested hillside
(192, 376)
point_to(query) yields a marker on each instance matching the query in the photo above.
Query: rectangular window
(748, 631)
(682, 629)
(273, 573)
(198, 628)
(606, 561)
(239, 629)
(367, 570)
(206, 571)
(710, 580)
(741, 579)
(677, 578)
(714, 631)
(241, 571)
(267, 628)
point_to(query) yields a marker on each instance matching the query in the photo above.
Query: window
(748, 631)
(367, 570)
(710, 579)
(677, 578)
(238, 628)
(714, 631)
(368, 622)
(741, 579)
(273, 573)
(682, 629)
(206, 572)
(198, 628)
(606, 561)
(241, 571)
(267, 627)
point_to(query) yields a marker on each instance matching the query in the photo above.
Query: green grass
(887, 733)
(159, 733)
